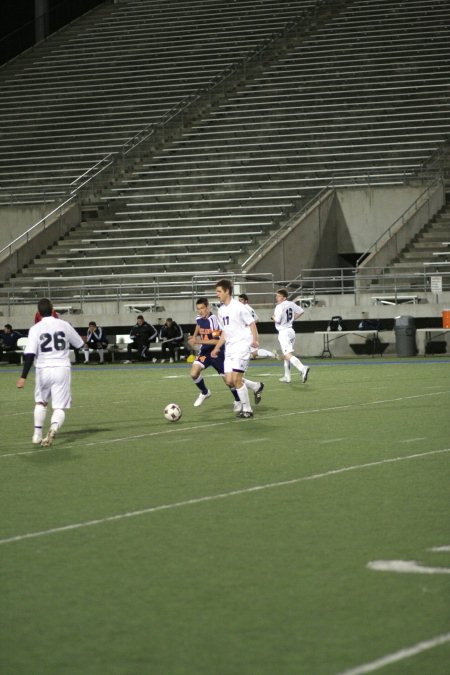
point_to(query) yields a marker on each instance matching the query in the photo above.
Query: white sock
(254, 386)
(243, 395)
(265, 353)
(297, 363)
(287, 370)
(40, 412)
(86, 355)
(58, 417)
(101, 353)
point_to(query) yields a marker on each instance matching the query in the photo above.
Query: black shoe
(258, 394)
(245, 414)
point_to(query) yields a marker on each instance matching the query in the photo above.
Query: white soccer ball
(172, 412)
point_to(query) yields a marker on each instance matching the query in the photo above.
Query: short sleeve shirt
(285, 313)
(50, 340)
(234, 320)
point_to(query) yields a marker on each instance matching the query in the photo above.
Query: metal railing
(156, 288)
(399, 222)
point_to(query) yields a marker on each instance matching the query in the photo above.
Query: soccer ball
(172, 412)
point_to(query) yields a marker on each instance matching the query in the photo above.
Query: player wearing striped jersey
(206, 336)
(48, 345)
(285, 313)
(240, 336)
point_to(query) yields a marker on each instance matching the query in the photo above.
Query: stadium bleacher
(363, 98)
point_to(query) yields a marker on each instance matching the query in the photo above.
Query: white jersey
(285, 313)
(49, 340)
(234, 320)
(253, 313)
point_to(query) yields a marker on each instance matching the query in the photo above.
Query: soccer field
(312, 539)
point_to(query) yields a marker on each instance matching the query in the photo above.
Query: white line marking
(399, 656)
(405, 566)
(210, 498)
(440, 549)
(412, 440)
(254, 440)
(331, 440)
(183, 429)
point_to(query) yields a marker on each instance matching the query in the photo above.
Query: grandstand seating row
(364, 97)
(93, 86)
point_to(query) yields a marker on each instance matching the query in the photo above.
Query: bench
(118, 349)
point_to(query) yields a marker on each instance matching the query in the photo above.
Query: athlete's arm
(28, 360)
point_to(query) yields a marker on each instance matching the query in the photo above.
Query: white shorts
(237, 356)
(286, 339)
(53, 383)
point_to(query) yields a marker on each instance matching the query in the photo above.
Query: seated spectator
(141, 335)
(96, 340)
(8, 339)
(171, 336)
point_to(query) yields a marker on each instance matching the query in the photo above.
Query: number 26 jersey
(50, 340)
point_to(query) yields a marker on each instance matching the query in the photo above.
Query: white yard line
(181, 428)
(405, 567)
(211, 498)
(398, 656)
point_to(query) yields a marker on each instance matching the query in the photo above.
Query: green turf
(227, 580)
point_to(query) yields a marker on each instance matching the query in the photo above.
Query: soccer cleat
(237, 406)
(200, 398)
(283, 379)
(48, 440)
(258, 394)
(171, 360)
(37, 438)
(305, 374)
(245, 414)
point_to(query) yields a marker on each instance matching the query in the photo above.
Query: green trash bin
(405, 336)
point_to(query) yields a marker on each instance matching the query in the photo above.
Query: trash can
(405, 336)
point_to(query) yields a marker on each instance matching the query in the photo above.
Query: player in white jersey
(260, 352)
(285, 313)
(48, 345)
(235, 321)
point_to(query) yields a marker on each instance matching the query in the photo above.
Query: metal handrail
(407, 213)
(150, 129)
(287, 226)
(313, 282)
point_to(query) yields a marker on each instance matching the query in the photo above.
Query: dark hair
(45, 307)
(202, 301)
(140, 317)
(244, 296)
(92, 323)
(169, 319)
(225, 284)
(283, 292)
(8, 325)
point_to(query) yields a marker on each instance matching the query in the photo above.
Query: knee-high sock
(40, 412)
(58, 417)
(287, 369)
(235, 394)
(200, 383)
(243, 396)
(297, 363)
(254, 386)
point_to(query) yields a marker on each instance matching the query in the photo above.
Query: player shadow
(62, 450)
